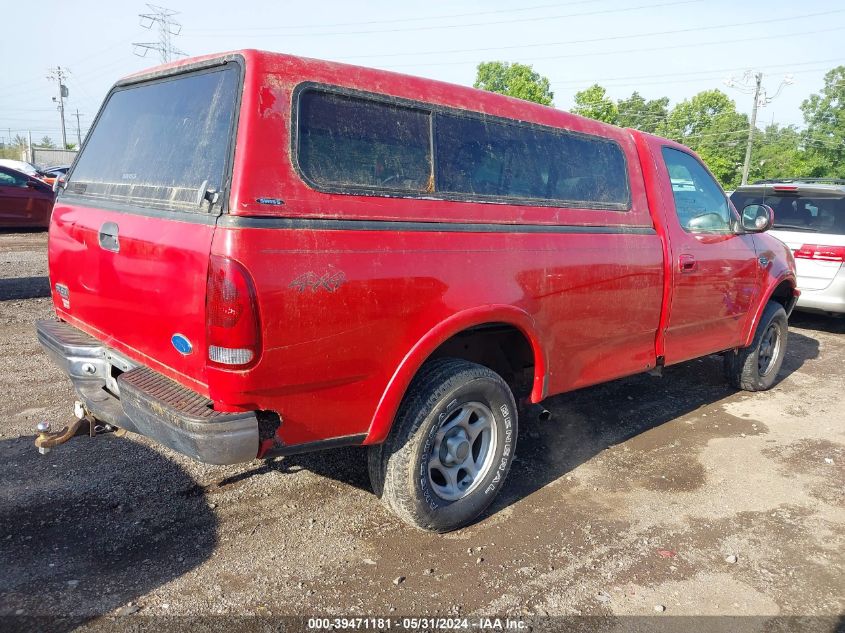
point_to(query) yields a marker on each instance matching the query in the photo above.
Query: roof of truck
(386, 82)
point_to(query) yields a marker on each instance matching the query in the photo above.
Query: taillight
(821, 253)
(231, 312)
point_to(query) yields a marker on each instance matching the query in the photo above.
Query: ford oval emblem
(182, 344)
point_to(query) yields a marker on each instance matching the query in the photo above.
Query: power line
(653, 116)
(395, 20)
(466, 25)
(834, 60)
(597, 39)
(167, 29)
(88, 73)
(670, 82)
(640, 50)
(72, 63)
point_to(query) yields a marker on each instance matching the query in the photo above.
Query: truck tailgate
(134, 282)
(131, 232)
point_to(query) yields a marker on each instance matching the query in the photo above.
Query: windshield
(798, 212)
(27, 168)
(162, 144)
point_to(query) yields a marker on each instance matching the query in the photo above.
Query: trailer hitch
(85, 424)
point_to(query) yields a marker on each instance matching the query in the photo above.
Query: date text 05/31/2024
(414, 624)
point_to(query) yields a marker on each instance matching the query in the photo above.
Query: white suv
(810, 219)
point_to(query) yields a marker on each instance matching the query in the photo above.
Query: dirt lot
(637, 493)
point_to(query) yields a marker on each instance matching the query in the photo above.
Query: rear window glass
(799, 213)
(350, 142)
(354, 144)
(161, 145)
(477, 156)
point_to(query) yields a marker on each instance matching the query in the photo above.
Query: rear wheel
(755, 368)
(450, 448)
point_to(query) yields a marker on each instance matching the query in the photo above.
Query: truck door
(714, 270)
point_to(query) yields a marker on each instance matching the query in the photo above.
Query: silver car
(810, 219)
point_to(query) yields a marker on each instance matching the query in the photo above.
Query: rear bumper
(830, 299)
(118, 391)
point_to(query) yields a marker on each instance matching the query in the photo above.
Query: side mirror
(757, 218)
(32, 184)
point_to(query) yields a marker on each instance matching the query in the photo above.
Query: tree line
(708, 123)
(15, 149)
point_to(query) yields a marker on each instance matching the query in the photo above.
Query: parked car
(51, 174)
(810, 219)
(280, 255)
(59, 170)
(24, 201)
(21, 165)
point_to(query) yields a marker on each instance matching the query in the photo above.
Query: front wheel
(450, 448)
(755, 368)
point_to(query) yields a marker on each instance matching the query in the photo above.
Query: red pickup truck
(257, 254)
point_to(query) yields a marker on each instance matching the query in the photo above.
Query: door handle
(687, 263)
(107, 237)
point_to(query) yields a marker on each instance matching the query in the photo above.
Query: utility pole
(752, 82)
(58, 75)
(167, 29)
(758, 84)
(78, 133)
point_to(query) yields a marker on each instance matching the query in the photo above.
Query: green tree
(594, 103)
(641, 114)
(709, 124)
(824, 114)
(515, 80)
(779, 153)
(46, 141)
(14, 148)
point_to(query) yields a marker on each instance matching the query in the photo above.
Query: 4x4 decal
(331, 281)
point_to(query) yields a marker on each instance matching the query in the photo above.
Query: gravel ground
(674, 492)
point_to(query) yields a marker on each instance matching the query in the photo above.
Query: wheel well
(783, 295)
(502, 347)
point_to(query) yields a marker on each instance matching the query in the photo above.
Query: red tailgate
(134, 282)
(131, 232)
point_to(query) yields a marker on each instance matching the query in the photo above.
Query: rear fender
(392, 397)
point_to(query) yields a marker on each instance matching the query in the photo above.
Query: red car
(258, 254)
(24, 201)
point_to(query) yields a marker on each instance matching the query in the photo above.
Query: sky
(672, 48)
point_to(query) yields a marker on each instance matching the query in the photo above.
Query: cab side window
(700, 203)
(8, 179)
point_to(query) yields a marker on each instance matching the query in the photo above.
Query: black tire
(756, 367)
(400, 469)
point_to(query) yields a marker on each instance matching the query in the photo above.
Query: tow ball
(85, 424)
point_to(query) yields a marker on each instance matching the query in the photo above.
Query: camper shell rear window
(359, 143)
(163, 144)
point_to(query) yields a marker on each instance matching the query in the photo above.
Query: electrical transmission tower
(167, 27)
(752, 82)
(58, 74)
